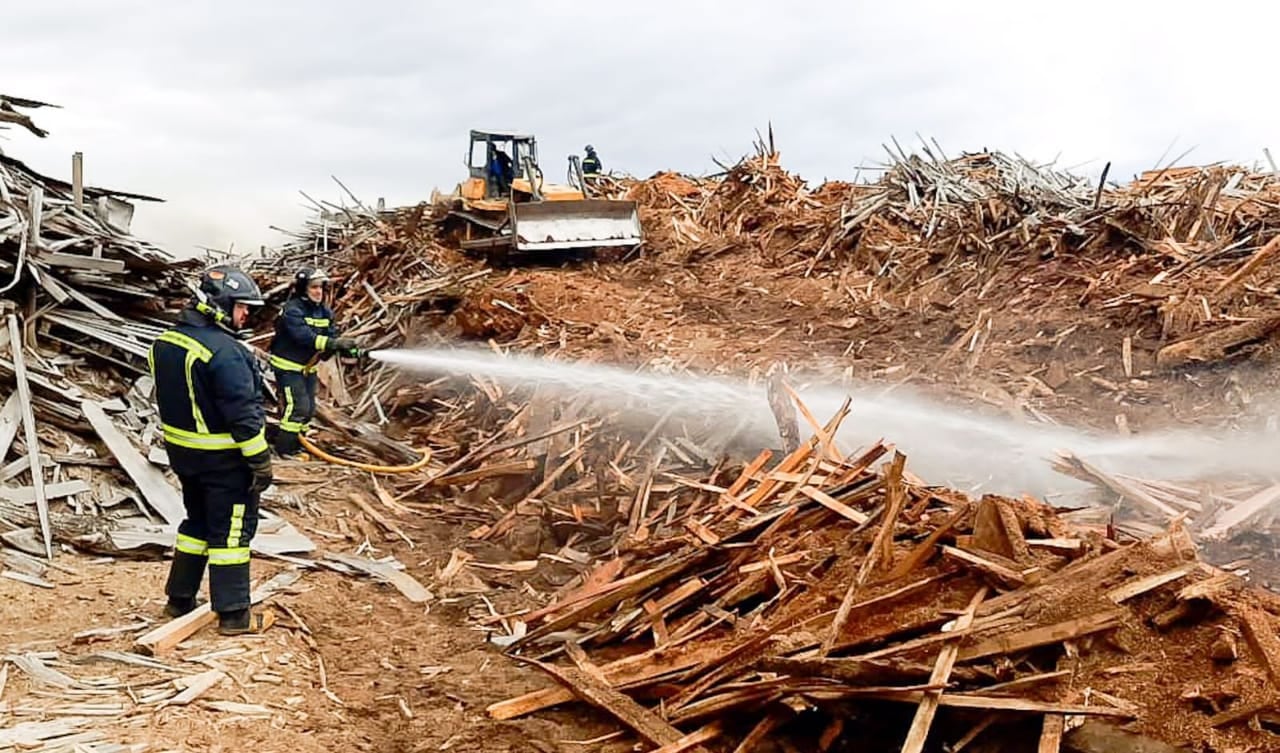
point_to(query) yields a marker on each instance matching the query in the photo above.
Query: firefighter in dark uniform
(305, 335)
(591, 163)
(209, 392)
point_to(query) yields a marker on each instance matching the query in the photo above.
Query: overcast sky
(229, 108)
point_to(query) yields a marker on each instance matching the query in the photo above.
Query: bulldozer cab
(493, 153)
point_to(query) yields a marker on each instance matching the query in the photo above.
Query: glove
(260, 464)
(346, 346)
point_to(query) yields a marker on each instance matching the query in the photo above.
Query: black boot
(236, 622)
(287, 444)
(183, 585)
(179, 607)
(243, 621)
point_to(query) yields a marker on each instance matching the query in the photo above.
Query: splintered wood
(944, 602)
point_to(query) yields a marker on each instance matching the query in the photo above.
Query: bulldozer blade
(589, 223)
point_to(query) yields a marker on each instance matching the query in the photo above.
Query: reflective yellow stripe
(201, 426)
(238, 555)
(188, 344)
(192, 545)
(285, 364)
(205, 441)
(286, 421)
(151, 361)
(316, 322)
(321, 341)
(198, 440)
(254, 446)
(237, 525)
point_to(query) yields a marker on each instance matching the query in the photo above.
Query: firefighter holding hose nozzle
(305, 335)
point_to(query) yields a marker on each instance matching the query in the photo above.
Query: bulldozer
(508, 206)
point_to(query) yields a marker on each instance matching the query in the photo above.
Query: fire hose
(370, 468)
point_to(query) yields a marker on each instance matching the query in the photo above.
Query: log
(1217, 345)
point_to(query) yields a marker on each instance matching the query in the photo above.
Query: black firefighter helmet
(221, 288)
(307, 275)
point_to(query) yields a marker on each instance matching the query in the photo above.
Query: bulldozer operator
(501, 171)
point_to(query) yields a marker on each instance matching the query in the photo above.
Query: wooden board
(634, 671)
(644, 722)
(1139, 586)
(834, 505)
(1001, 575)
(32, 438)
(1040, 636)
(157, 490)
(10, 422)
(1235, 519)
(406, 584)
(51, 491)
(946, 661)
(1260, 632)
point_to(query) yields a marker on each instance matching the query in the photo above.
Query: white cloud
(228, 108)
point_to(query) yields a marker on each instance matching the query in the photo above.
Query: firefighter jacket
(304, 330)
(209, 392)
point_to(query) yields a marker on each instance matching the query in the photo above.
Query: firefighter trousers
(298, 391)
(222, 517)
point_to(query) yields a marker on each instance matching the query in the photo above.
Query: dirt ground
(403, 677)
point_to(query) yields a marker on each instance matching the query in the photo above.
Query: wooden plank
(195, 686)
(1057, 546)
(924, 550)
(884, 537)
(52, 491)
(509, 468)
(155, 488)
(834, 505)
(1261, 635)
(633, 671)
(30, 435)
(30, 580)
(78, 261)
(941, 674)
(10, 422)
(693, 739)
(1134, 494)
(651, 727)
(166, 636)
(1236, 519)
(1255, 261)
(1139, 586)
(1051, 733)
(984, 703)
(1242, 712)
(1013, 531)
(776, 717)
(406, 584)
(1041, 636)
(1003, 576)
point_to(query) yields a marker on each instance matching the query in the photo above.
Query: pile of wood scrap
(820, 599)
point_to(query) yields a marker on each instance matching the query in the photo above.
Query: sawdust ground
(377, 649)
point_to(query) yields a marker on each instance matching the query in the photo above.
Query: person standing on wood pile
(209, 393)
(591, 164)
(305, 335)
